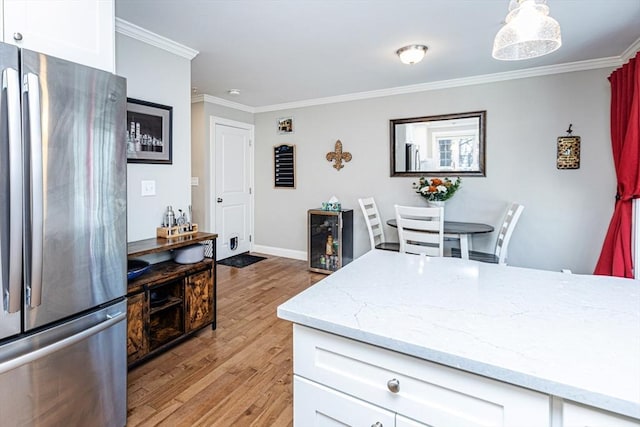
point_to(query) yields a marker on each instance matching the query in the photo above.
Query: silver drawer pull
(393, 385)
(378, 424)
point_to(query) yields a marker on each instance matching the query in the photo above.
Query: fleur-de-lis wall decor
(338, 156)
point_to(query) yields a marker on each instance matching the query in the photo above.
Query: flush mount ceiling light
(233, 92)
(529, 32)
(412, 54)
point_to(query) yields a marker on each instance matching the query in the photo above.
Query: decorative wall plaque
(568, 152)
(338, 156)
(284, 166)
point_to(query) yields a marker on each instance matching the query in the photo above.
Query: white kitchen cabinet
(321, 406)
(419, 390)
(575, 415)
(78, 31)
(406, 422)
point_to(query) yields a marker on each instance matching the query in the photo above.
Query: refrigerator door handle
(59, 345)
(11, 84)
(35, 247)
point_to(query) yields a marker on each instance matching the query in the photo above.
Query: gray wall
(156, 75)
(566, 211)
(201, 194)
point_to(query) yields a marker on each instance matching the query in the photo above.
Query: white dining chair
(421, 230)
(499, 255)
(375, 226)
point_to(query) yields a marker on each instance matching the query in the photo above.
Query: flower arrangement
(436, 189)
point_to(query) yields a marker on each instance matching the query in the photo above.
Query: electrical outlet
(148, 188)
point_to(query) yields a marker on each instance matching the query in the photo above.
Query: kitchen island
(559, 348)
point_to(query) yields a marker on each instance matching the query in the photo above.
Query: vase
(435, 203)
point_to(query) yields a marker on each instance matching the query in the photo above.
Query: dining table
(458, 230)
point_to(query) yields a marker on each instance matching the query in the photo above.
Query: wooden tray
(176, 231)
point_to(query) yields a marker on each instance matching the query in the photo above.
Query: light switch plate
(195, 181)
(147, 188)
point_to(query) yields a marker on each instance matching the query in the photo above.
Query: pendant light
(529, 32)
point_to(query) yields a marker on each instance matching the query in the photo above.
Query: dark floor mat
(241, 260)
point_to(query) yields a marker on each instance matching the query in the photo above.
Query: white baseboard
(285, 253)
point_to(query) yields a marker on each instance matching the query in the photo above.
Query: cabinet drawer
(575, 415)
(321, 406)
(427, 392)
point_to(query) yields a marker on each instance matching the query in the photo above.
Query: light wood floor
(239, 374)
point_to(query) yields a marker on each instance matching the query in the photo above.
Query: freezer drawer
(74, 374)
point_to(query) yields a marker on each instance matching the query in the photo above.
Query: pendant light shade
(529, 32)
(412, 54)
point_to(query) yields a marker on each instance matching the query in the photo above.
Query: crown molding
(223, 102)
(131, 30)
(446, 84)
(631, 51)
(592, 64)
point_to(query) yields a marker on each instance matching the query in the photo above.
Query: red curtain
(615, 258)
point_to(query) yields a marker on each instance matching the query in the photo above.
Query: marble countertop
(572, 336)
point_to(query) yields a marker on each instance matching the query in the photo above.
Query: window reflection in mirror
(444, 145)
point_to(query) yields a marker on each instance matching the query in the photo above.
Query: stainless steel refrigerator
(62, 243)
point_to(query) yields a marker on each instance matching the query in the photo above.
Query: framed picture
(148, 132)
(285, 125)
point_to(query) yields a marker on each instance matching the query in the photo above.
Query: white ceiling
(287, 51)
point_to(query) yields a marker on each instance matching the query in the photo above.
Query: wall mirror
(445, 145)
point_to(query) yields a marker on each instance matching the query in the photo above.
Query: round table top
(456, 227)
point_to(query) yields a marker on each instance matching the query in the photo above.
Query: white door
(232, 199)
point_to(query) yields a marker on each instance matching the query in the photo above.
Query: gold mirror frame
(452, 145)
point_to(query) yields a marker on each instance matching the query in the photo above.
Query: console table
(171, 301)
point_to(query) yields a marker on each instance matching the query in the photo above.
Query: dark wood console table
(170, 301)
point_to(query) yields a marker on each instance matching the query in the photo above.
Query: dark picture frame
(149, 132)
(440, 146)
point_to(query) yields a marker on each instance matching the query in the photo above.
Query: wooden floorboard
(238, 375)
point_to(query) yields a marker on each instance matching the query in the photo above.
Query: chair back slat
(421, 224)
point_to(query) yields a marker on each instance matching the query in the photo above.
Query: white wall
(566, 211)
(158, 76)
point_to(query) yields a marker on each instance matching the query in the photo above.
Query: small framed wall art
(284, 166)
(149, 132)
(285, 125)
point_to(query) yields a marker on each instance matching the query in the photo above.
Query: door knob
(393, 385)
(378, 424)
(17, 36)
(219, 200)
